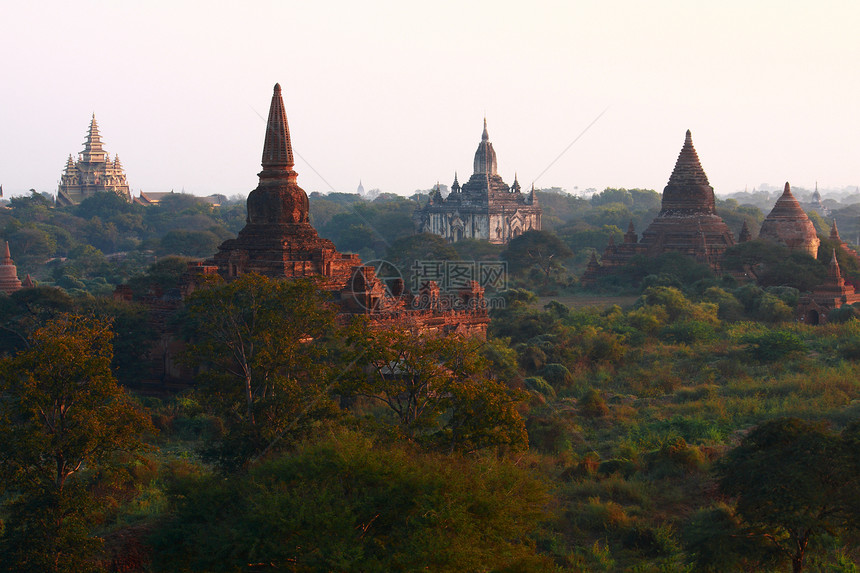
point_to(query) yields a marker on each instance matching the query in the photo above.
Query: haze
(394, 93)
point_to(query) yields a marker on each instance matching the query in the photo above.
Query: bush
(556, 374)
(592, 405)
(689, 332)
(774, 345)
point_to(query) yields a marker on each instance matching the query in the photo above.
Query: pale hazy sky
(393, 93)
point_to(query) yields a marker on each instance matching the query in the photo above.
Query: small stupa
(789, 225)
(9, 281)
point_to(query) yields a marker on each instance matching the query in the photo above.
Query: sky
(576, 94)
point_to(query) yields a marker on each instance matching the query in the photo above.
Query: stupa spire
(834, 232)
(93, 150)
(688, 169)
(485, 156)
(745, 235)
(277, 149)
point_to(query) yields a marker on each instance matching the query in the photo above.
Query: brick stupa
(814, 307)
(688, 222)
(788, 224)
(9, 281)
(278, 239)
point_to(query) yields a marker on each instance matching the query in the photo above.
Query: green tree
(537, 249)
(61, 414)
(346, 504)
(261, 345)
(439, 389)
(789, 479)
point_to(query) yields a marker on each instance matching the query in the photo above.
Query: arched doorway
(812, 317)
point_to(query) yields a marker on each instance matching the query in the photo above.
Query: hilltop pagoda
(93, 172)
(485, 207)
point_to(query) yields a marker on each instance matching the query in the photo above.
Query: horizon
(580, 97)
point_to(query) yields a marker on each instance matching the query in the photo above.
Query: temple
(278, 241)
(813, 308)
(687, 223)
(485, 207)
(9, 281)
(787, 224)
(93, 172)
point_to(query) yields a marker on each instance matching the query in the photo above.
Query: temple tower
(788, 224)
(485, 207)
(93, 172)
(688, 222)
(278, 239)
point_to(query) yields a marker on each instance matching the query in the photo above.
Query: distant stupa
(9, 281)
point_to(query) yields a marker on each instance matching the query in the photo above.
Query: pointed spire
(688, 169)
(485, 156)
(7, 255)
(834, 232)
(455, 186)
(515, 188)
(277, 149)
(630, 236)
(745, 234)
(93, 150)
(834, 273)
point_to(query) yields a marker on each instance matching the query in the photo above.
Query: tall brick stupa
(278, 239)
(688, 222)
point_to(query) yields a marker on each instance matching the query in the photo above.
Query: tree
(439, 389)
(61, 414)
(790, 480)
(344, 503)
(261, 345)
(536, 249)
(414, 254)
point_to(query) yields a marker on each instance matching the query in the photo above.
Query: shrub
(540, 386)
(592, 405)
(556, 374)
(689, 332)
(774, 345)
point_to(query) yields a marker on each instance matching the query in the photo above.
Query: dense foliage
(689, 425)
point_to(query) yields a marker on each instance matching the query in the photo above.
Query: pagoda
(687, 223)
(278, 239)
(9, 281)
(485, 207)
(93, 172)
(787, 224)
(813, 308)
